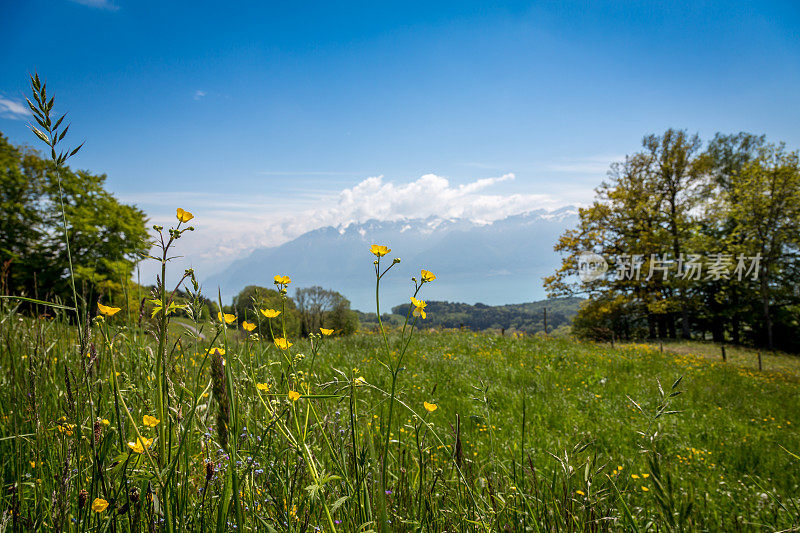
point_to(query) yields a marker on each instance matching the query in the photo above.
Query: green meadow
(519, 433)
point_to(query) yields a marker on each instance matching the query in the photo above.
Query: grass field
(527, 434)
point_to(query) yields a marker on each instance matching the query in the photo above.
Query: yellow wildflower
(140, 444)
(150, 421)
(183, 216)
(107, 310)
(326, 332)
(580, 492)
(634, 476)
(419, 307)
(430, 407)
(427, 276)
(270, 313)
(99, 505)
(294, 395)
(282, 343)
(264, 387)
(282, 280)
(227, 318)
(379, 250)
(248, 326)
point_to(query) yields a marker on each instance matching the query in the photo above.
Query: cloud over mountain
(230, 226)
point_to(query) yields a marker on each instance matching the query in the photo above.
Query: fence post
(759, 360)
(724, 358)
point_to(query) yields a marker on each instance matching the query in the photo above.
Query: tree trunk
(671, 325)
(717, 332)
(651, 325)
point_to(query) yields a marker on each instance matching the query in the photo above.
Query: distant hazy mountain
(499, 263)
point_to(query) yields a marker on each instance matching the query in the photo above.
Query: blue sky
(249, 113)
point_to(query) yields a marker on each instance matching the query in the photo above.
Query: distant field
(735, 355)
(590, 458)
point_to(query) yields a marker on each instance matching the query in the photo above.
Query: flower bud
(83, 496)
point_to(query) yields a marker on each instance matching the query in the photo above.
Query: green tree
(675, 172)
(20, 219)
(106, 237)
(767, 215)
(725, 301)
(250, 300)
(326, 308)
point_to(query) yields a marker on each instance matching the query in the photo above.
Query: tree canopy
(106, 237)
(699, 240)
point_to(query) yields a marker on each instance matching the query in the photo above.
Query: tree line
(692, 240)
(524, 318)
(307, 310)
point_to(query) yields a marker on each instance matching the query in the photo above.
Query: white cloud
(229, 226)
(198, 94)
(13, 109)
(99, 4)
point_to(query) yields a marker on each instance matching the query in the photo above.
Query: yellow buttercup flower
(221, 351)
(430, 407)
(326, 332)
(99, 505)
(248, 326)
(264, 387)
(269, 313)
(282, 343)
(140, 444)
(359, 381)
(184, 216)
(150, 421)
(379, 250)
(426, 276)
(294, 395)
(419, 307)
(227, 318)
(107, 310)
(282, 280)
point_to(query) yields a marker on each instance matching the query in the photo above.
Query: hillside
(527, 317)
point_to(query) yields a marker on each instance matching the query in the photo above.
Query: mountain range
(493, 263)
